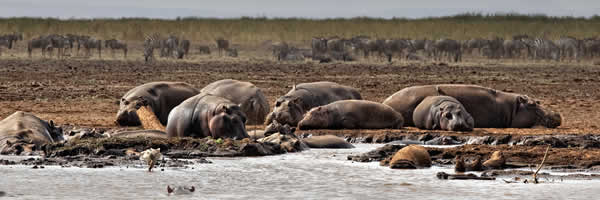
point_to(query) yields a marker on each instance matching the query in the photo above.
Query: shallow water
(313, 174)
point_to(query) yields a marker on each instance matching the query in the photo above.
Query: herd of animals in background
(322, 49)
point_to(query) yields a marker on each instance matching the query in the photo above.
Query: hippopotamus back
(250, 98)
(26, 128)
(207, 115)
(489, 108)
(290, 108)
(162, 97)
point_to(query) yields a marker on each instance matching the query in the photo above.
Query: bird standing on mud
(150, 156)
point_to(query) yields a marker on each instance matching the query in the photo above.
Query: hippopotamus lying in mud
(488, 107)
(250, 98)
(162, 97)
(352, 114)
(442, 112)
(290, 108)
(23, 131)
(207, 115)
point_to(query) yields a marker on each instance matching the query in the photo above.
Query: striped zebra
(183, 49)
(169, 46)
(545, 49)
(116, 44)
(151, 42)
(569, 47)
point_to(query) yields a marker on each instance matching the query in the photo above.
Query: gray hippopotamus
(162, 97)
(488, 107)
(250, 98)
(290, 108)
(206, 115)
(352, 114)
(442, 112)
(23, 131)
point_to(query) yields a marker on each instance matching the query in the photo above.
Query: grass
(248, 30)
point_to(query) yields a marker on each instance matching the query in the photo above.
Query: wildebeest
(116, 44)
(232, 52)
(203, 49)
(39, 42)
(183, 49)
(90, 43)
(513, 48)
(447, 47)
(169, 46)
(222, 45)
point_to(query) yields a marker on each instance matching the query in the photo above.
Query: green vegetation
(247, 30)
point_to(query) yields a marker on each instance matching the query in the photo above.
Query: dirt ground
(84, 92)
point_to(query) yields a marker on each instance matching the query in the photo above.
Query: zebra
(545, 49)
(319, 48)
(169, 46)
(40, 42)
(222, 44)
(151, 42)
(183, 49)
(116, 44)
(569, 47)
(513, 48)
(591, 47)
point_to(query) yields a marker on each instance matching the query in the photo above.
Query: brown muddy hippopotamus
(23, 131)
(352, 114)
(327, 141)
(290, 108)
(411, 157)
(206, 115)
(162, 97)
(250, 98)
(442, 112)
(488, 107)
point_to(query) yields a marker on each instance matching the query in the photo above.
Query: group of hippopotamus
(223, 108)
(327, 105)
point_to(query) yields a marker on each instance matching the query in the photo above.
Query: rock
(444, 176)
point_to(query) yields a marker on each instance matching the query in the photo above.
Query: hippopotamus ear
(226, 109)
(522, 99)
(52, 124)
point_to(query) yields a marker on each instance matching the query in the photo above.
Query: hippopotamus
(352, 114)
(23, 131)
(442, 112)
(488, 107)
(411, 157)
(162, 97)
(327, 141)
(250, 98)
(206, 115)
(290, 108)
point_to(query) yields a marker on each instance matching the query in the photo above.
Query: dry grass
(254, 31)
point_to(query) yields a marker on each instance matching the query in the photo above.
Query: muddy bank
(517, 156)
(479, 136)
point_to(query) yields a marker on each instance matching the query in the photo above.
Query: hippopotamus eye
(277, 104)
(126, 102)
(448, 116)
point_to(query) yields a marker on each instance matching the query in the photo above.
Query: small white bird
(180, 190)
(150, 156)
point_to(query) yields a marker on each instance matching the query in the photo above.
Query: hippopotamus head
(453, 117)
(530, 113)
(228, 121)
(316, 117)
(56, 132)
(288, 110)
(127, 115)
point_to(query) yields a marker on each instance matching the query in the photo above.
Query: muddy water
(314, 174)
